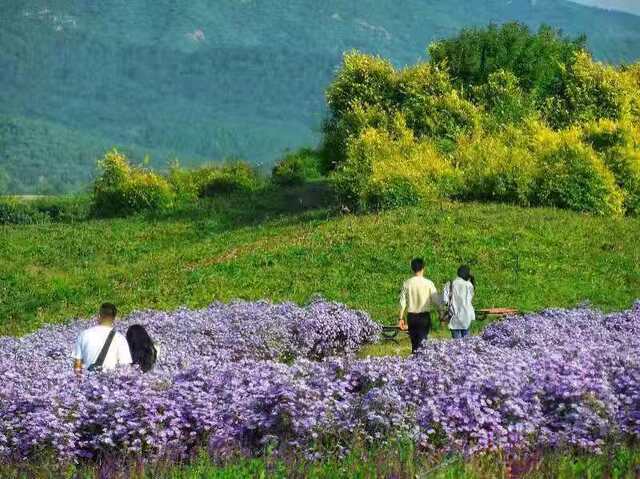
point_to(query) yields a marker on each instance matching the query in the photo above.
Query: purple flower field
(241, 377)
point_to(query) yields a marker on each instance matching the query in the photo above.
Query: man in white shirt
(91, 341)
(418, 298)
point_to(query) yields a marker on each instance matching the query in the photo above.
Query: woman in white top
(458, 296)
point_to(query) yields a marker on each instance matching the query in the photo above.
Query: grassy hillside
(205, 80)
(241, 248)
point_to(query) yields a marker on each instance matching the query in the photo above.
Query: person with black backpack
(101, 348)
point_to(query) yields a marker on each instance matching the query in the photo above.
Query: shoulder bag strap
(104, 351)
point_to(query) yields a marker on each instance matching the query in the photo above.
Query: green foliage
(392, 192)
(499, 107)
(571, 175)
(421, 98)
(297, 168)
(477, 53)
(588, 90)
(400, 458)
(360, 96)
(619, 146)
(384, 170)
(448, 116)
(41, 210)
(122, 189)
(234, 177)
(497, 167)
(502, 98)
(14, 212)
(364, 79)
(431, 105)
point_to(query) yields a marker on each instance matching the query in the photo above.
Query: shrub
(391, 192)
(448, 116)
(624, 163)
(189, 183)
(535, 58)
(297, 168)
(496, 168)
(340, 129)
(123, 189)
(59, 209)
(632, 72)
(181, 181)
(63, 209)
(430, 104)
(364, 79)
(231, 178)
(502, 97)
(618, 143)
(15, 212)
(383, 171)
(587, 91)
(571, 175)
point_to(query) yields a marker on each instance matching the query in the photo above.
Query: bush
(189, 183)
(59, 209)
(496, 168)
(297, 168)
(588, 91)
(502, 97)
(350, 124)
(383, 171)
(15, 212)
(122, 189)
(449, 116)
(624, 163)
(392, 192)
(618, 144)
(364, 79)
(571, 175)
(232, 178)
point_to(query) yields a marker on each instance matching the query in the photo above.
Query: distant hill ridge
(211, 79)
(630, 6)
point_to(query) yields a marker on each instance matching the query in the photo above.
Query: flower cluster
(245, 376)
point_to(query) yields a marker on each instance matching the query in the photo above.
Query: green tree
(534, 58)
(361, 95)
(502, 97)
(588, 90)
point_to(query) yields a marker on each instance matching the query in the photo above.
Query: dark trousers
(419, 327)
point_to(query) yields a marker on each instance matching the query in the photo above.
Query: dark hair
(143, 352)
(464, 272)
(108, 310)
(417, 264)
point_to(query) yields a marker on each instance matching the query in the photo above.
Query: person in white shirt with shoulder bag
(101, 347)
(458, 303)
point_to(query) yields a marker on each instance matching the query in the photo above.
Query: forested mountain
(631, 6)
(203, 80)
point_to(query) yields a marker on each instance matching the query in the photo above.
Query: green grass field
(398, 460)
(241, 248)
